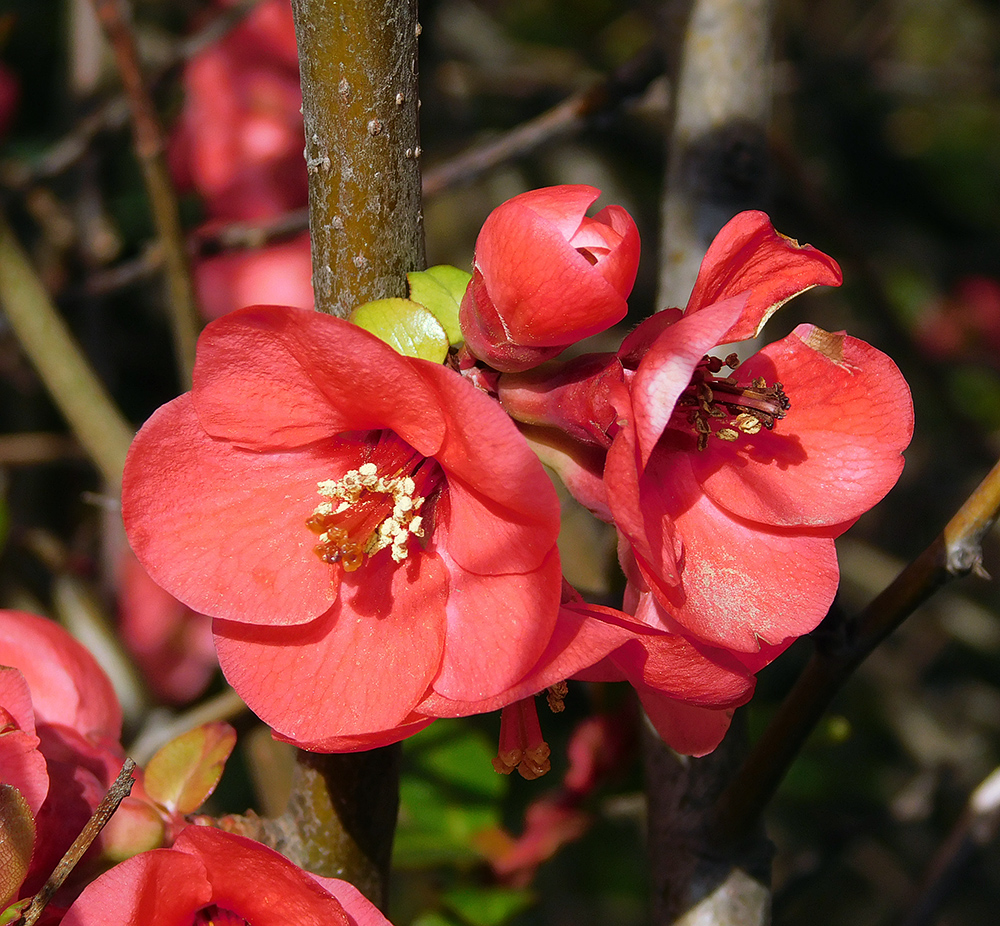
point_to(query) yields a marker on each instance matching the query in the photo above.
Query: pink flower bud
(546, 275)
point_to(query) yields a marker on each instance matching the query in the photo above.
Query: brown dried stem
(119, 790)
(955, 552)
(115, 16)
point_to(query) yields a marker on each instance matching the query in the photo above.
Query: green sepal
(441, 289)
(407, 326)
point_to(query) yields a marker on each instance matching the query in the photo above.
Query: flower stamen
(721, 407)
(374, 507)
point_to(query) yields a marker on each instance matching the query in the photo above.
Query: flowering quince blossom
(369, 531)
(60, 724)
(728, 482)
(545, 275)
(212, 878)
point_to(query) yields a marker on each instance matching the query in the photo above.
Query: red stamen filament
(374, 506)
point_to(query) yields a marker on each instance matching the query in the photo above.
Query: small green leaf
(14, 911)
(185, 772)
(17, 838)
(404, 325)
(441, 289)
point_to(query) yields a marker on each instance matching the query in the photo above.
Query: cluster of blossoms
(372, 529)
(363, 509)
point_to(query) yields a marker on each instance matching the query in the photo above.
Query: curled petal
(666, 369)
(749, 256)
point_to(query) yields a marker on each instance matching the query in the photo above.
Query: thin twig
(567, 117)
(115, 16)
(81, 397)
(955, 552)
(118, 791)
(113, 114)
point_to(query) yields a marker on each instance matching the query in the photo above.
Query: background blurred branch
(46, 339)
(115, 16)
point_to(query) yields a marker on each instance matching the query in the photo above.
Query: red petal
(360, 742)
(685, 728)
(359, 909)
(665, 371)
(563, 205)
(837, 451)
(21, 763)
(638, 510)
(502, 512)
(498, 626)
(356, 670)
(224, 529)
(740, 585)
(257, 883)
(583, 635)
(273, 376)
(621, 264)
(159, 888)
(749, 256)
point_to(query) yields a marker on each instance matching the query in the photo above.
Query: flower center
(720, 407)
(217, 916)
(375, 506)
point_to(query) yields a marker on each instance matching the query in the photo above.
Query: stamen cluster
(347, 526)
(722, 401)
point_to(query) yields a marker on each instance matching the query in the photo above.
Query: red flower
(212, 877)
(545, 276)
(729, 489)
(367, 529)
(279, 274)
(59, 745)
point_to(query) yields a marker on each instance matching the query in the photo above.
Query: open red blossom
(367, 529)
(545, 275)
(728, 482)
(213, 878)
